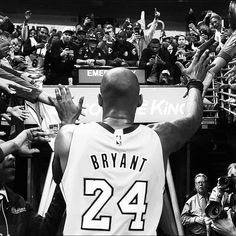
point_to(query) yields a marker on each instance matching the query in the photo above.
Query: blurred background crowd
(53, 53)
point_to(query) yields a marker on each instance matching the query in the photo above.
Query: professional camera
(222, 196)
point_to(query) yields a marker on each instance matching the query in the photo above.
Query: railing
(211, 111)
(227, 97)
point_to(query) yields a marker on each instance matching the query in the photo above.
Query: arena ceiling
(170, 9)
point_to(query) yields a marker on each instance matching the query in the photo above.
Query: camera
(222, 196)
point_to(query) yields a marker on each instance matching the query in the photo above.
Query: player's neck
(118, 123)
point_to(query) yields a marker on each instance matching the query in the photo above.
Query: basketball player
(114, 170)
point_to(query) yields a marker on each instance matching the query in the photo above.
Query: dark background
(171, 10)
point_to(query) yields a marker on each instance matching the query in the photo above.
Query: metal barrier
(227, 97)
(210, 111)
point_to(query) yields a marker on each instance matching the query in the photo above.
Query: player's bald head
(120, 91)
(119, 81)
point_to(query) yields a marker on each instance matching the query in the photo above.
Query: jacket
(18, 218)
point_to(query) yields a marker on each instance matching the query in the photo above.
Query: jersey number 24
(132, 203)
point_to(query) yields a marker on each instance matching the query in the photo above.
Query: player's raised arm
(174, 134)
(68, 113)
(62, 147)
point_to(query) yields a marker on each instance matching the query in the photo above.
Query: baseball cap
(165, 72)
(68, 29)
(91, 37)
(109, 26)
(80, 29)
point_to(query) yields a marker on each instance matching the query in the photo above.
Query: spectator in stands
(99, 32)
(184, 52)
(107, 40)
(193, 213)
(109, 29)
(128, 27)
(203, 33)
(80, 38)
(17, 60)
(35, 44)
(55, 36)
(170, 60)
(165, 41)
(123, 53)
(33, 33)
(62, 59)
(216, 27)
(227, 53)
(140, 38)
(34, 49)
(47, 59)
(168, 55)
(90, 54)
(152, 61)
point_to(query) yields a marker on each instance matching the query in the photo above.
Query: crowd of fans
(54, 53)
(49, 57)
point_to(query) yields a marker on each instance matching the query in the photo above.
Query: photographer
(193, 214)
(226, 225)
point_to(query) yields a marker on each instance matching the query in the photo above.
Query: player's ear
(100, 100)
(140, 100)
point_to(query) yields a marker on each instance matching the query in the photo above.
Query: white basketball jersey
(114, 181)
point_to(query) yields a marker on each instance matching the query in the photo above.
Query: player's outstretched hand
(199, 66)
(67, 110)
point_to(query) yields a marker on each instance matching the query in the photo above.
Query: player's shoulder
(161, 128)
(67, 129)
(65, 133)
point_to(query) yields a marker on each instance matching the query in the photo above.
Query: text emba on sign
(95, 73)
(94, 76)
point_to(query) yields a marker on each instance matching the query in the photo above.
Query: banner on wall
(159, 103)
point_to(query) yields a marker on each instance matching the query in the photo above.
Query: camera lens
(213, 210)
(224, 182)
